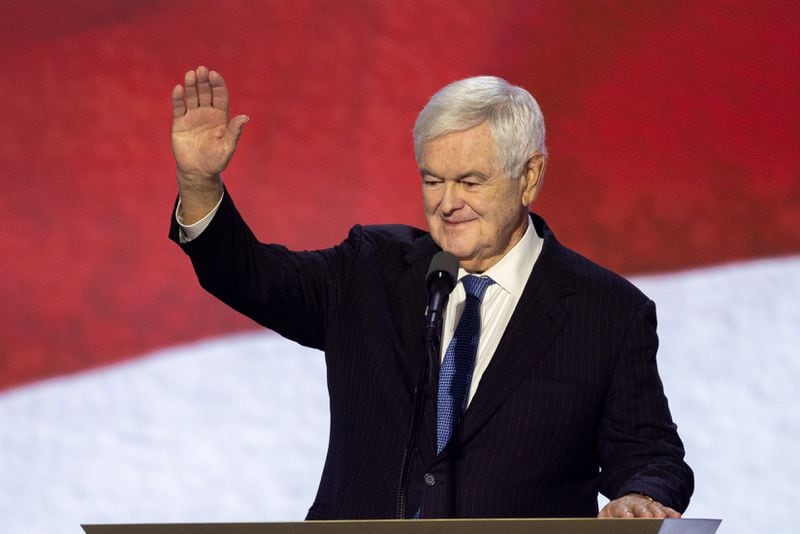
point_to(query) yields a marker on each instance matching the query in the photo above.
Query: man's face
(474, 210)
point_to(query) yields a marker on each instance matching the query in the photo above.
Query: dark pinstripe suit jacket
(570, 405)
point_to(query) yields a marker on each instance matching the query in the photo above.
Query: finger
(642, 510)
(190, 84)
(236, 124)
(604, 513)
(671, 513)
(219, 91)
(616, 509)
(203, 87)
(178, 105)
(657, 510)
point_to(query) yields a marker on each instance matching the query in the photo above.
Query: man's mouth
(455, 224)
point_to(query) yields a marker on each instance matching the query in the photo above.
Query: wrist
(198, 197)
(198, 182)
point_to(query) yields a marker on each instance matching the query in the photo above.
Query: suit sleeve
(640, 449)
(293, 293)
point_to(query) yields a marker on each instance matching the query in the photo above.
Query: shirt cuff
(188, 232)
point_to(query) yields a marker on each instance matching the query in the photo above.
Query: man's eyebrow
(466, 174)
(425, 172)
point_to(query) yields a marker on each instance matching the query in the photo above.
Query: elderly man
(548, 391)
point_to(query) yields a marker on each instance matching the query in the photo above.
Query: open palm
(203, 139)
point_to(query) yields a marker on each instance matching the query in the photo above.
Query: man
(562, 397)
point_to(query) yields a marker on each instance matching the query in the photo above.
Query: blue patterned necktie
(455, 375)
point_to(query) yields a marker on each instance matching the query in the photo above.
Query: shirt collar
(511, 273)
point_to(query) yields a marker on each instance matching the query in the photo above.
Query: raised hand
(203, 138)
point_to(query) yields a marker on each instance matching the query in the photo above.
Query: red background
(673, 130)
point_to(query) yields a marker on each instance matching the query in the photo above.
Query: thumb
(236, 124)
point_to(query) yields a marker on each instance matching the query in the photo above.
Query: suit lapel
(538, 318)
(405, 289)
(409, 289)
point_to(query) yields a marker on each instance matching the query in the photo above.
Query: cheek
(429, 210)
(428, 203)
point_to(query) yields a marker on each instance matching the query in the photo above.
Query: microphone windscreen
(444, 262)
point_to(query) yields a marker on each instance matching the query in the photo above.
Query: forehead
(474, 148)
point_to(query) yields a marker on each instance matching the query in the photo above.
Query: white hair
(514, 119)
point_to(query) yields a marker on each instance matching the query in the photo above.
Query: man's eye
(431, 183)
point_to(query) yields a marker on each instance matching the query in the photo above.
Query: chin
(456, 251)
(454, 243)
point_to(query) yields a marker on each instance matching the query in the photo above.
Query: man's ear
(533, 177)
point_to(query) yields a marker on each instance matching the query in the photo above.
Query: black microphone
(440, 281)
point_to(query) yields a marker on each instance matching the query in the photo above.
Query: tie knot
(476, 285)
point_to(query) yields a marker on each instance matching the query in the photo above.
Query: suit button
(429, 479)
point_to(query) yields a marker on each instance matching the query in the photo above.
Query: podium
(428, 526)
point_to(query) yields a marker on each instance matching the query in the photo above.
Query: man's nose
(451, 198)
